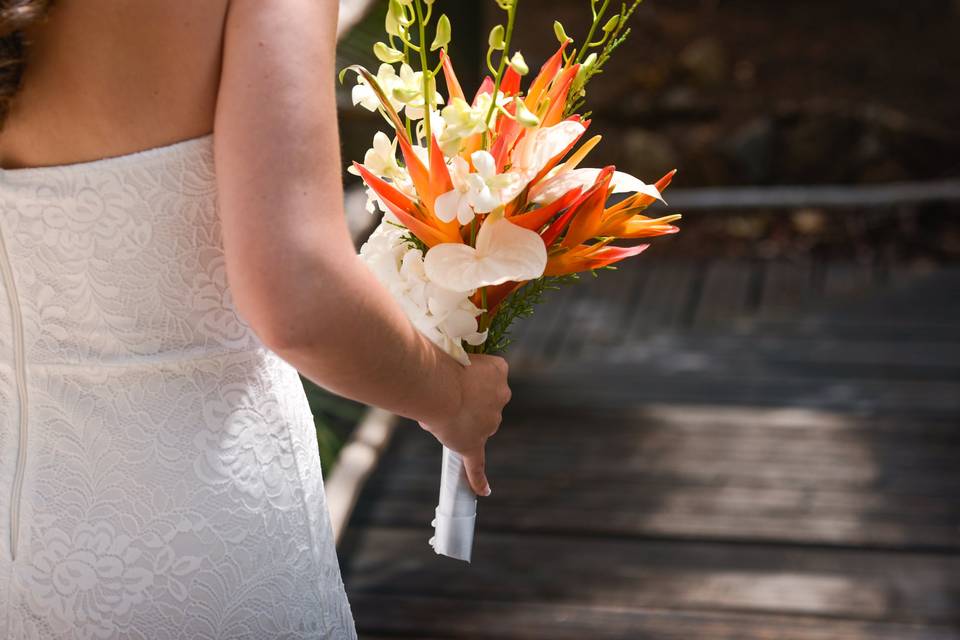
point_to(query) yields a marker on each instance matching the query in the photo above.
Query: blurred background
(751, 430)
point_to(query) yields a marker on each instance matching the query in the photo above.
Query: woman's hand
(484, 393)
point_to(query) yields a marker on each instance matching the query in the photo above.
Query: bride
(173, 251)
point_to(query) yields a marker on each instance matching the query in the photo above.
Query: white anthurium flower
(446, 317)
(538, 147)
(504, 252)
(556, 186)
(364, 95)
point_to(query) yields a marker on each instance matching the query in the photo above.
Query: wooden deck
(697, 450)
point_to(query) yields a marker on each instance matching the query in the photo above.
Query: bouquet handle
(456, 512)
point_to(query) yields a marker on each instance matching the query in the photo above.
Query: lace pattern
(170, 485)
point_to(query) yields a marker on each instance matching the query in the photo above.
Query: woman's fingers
(473, 463)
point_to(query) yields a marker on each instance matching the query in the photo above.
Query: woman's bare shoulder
(105, 78)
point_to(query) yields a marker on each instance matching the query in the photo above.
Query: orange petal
(558, 96)
(508, 131)
(498, 293)
(587, 219)
(418, 172)
(573, 261)
(440, 182)
(547, 73)
(453, 84)
(557, 226)
(535, 219)
(639, 226)
(510, 85)
(485, 87)
(385, 190)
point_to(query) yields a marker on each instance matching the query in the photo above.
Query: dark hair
(15, 16)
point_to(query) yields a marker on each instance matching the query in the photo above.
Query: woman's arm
(291, 262)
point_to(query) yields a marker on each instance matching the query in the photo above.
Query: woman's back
(106, 78)
(159, 474)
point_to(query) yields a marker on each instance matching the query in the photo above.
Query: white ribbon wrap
(456, 514)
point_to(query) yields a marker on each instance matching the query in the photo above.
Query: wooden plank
(596, 312)
(630, 574)
(847, 278)
(725, 292)
(619, 386)
(813, 196)
(426, 618)
(535, 348)
(717, 474)
(664, 298)
(722, 353)
(787, 289)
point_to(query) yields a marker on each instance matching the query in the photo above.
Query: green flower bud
(611, 24)
(561, 34)
(496, 39)
(442, 39)
(525, 117)
(518, 64)
(394, 20)
(386, 53)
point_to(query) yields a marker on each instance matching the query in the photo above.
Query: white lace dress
(159, 475)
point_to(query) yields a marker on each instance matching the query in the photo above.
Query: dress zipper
(17, 318)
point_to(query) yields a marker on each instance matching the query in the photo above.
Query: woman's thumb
(473, 464)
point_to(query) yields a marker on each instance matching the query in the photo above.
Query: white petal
(626, 183)
(459, 170)
(446, 205)
(539, 147)
(485, 164)
(552, 189)
(443, 301)
(513, 185)
(365, 97)
(383, 145)
(477, 338)
(484, 200)
(465, 212)
(505, 252)
(459, 323)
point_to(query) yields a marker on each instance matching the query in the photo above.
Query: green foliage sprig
(615, 32)
(520, 304)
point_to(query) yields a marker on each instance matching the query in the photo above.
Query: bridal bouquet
(485, 204)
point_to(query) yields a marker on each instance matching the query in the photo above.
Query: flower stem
(425, 69)
(593, 29)
(511, 18)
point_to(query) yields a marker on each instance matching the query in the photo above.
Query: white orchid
(402, 91)
(479, 192)
(381, 159)
(504, 252)
(364, 95)
(464, 120)
(409, 90)
(448, 318)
